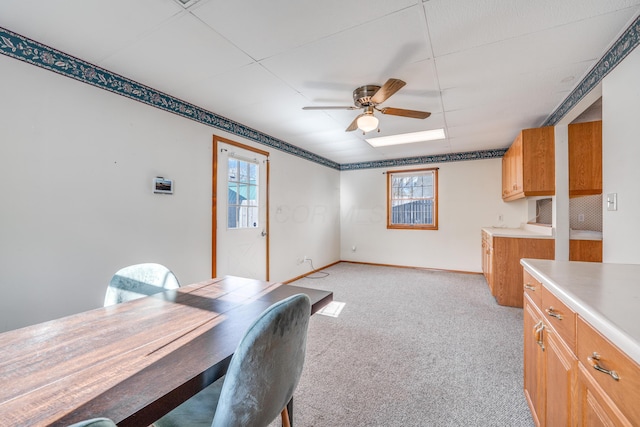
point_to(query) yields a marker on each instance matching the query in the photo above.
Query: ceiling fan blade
(414, 114)
(390, 87)
(331, 107)
(354, 124)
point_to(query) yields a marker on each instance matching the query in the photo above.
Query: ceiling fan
(368, 98)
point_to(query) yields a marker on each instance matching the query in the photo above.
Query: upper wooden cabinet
(585, 158)
(528, 166)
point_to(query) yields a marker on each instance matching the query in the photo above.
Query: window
(412, 199)
(242, 194)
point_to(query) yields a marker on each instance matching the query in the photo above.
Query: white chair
(95, 422)
(137, 281)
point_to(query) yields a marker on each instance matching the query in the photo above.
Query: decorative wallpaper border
(38, 54)
(628, 41)
(24, 49)
(438, 158)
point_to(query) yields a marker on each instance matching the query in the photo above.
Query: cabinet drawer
(625, 391)
(533, 288)
(560, 317)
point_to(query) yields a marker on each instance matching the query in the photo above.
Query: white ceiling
(484, 68)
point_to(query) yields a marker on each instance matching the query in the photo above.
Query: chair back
(137, 281)
(266, 367)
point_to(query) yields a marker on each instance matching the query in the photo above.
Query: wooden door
(534, 366)
(560, 371)
(506, 174)
(240, 213)
(517, 167)
(538, 148)
(585, 158)
(595, 408)
(585, 250)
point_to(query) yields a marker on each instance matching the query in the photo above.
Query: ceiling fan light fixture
(407, 138)
(367, 123)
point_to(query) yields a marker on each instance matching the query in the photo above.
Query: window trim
(433, 226)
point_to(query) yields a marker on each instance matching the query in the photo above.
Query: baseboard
(310, 273)
(381, 265)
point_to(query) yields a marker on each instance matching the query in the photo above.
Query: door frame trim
(214, 200)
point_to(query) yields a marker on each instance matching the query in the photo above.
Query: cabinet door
(595, 408)
(534, 368)
(528, 167)
(585, 250)
(490, 263)
(506, 174)
(561, 366)
(517, 167)
(538, 159)
(585, 158)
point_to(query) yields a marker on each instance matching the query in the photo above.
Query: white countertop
(605, 295)
(585, 235)
(526, 231)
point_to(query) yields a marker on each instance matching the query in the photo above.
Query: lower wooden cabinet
(594, 407)
(487, 258)
(573, 375)
(534, 366)
(549, 370)
(585, 250)
(560, 380)
(609, 381)
(501, 264)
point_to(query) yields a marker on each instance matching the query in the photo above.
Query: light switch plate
(612, 201)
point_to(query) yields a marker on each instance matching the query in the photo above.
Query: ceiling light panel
(407, 138)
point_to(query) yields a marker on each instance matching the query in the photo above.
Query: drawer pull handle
(537, 333)
(529, 287)
(551, 312)
(594, 359)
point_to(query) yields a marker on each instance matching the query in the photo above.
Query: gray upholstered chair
(262, 375)
(137, 281)
(95, 422)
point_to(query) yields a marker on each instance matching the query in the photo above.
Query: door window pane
(243, 193)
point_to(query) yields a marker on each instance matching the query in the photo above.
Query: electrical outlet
(581, 217)
(500, 217)
(305, 259)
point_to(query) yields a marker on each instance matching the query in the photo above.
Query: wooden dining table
(131, 362)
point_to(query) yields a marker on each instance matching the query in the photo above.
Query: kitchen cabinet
(595, 408)
(501, 264)
(585, 158)
(573, 373)
(550, 363)
(610, 392)
(528, 166)
(585, 250)
(534, 374)
(487, 259)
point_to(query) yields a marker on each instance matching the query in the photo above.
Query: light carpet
(411, 348)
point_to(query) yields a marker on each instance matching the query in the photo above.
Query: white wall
(620, 170)
(469, 198)
(76, 164)
(305, 216)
